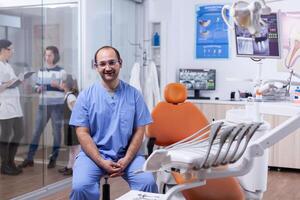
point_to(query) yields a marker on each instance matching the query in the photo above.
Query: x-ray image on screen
(264, 44)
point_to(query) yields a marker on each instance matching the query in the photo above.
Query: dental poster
(290, 41)
(211, 32)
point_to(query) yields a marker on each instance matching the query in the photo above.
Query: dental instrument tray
(217, 144)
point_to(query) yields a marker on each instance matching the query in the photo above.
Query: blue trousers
(44, 113)
(87, 175)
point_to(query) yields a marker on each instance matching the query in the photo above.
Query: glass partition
(60, 29)
(23, 38)
(41, 26)
(76, 29)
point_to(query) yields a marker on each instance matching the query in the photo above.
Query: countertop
(284, 108)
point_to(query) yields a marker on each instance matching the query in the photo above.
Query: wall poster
(290, 37)
(211, 32)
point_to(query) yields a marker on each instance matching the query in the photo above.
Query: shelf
(155, 47)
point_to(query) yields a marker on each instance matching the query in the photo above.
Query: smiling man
(110, 118)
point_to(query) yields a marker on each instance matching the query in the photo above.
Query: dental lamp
(246, 15)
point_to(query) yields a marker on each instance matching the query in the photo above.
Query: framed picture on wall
(289, 35)
(211, 32)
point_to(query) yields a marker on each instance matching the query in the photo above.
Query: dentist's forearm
(88, 145)
(135, 143)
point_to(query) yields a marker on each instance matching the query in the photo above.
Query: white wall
(179, 17)
(107, 22)
(95, 29)
(124, 25)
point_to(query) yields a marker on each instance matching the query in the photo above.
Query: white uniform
(10, 106)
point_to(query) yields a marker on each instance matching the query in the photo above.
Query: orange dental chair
(177, 119)
(204, 158)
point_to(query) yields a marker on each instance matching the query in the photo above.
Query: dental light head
(246, 15)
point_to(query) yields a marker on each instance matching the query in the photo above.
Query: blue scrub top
(110, 119)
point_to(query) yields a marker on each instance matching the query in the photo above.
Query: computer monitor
(196, 80)
(263, 45)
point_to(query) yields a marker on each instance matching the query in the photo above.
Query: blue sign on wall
(211, 32)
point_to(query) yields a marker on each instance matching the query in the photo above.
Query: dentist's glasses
(110, 63)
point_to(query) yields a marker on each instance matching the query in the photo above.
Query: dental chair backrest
(175, 120)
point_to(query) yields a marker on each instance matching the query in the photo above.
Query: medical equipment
(272, 89)
(264, 44)
(197, 158)
(247, 15)
(184, 157)
(277, 90)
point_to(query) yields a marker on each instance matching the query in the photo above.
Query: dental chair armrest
(150, 145)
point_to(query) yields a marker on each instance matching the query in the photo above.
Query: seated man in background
(110, 118)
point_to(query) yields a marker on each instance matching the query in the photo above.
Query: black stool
(106, 189)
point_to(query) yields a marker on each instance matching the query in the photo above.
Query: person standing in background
(69, 85)
(51, 105)
(11, 115)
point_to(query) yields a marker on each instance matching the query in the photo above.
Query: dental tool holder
(220, 143)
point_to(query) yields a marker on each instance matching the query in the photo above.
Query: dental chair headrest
(175, 93)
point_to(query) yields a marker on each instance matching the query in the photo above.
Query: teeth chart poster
(211, 32)
(290, 38)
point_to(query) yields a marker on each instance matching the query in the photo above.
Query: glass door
(60, 39)
(17, 25)
(33, 28)
(76, 29)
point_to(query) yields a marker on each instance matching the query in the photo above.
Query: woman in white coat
(11, 115)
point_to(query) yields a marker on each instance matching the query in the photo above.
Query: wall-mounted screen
(263, 45)
(196, 80)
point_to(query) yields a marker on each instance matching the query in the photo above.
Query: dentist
(110, 118)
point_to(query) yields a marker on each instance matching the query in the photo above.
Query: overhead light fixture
(246, 15)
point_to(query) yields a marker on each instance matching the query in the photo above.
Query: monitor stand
(197, 96)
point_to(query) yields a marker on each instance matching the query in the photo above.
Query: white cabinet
(286, 152)
(215, 111)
